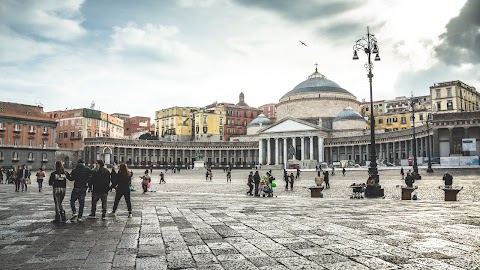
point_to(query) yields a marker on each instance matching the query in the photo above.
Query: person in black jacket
(122, 187)
(448, 178)
(81, 175)
(113, 177)
(250, 184)
(58, 179)
(409, 180)
(101, 185)
(256, 180)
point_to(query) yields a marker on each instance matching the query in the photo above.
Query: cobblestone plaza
(192, 224)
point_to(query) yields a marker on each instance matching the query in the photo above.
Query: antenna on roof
(92, 105)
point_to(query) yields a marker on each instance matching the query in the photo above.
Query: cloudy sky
(137, 57)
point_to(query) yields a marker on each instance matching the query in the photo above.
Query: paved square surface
(192, 224)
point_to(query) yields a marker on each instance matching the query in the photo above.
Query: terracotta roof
(22, 111)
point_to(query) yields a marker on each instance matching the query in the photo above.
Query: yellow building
(454, 96)
(392, 122)
(189, 123)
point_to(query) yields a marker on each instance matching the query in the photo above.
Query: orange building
(75, 125)
(27, 136)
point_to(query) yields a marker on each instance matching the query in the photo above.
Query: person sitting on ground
(409, 180)
(448, 178)
(370, 181)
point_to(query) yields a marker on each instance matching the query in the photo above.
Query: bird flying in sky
(303, 43)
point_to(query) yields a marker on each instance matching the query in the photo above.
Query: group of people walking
(100, 180)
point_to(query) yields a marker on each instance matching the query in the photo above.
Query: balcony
(44, 159)
(31, 132)
(76, 138)
(15, 159)
(30, 159)
(17, 130)
(2, 128)
(45, 133)
(2, 158)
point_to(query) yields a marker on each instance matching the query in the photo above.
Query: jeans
(40, 184)
(95, 198)
(78, 194)
(17, 185)
(58, 195)
(24, 184)
(118, 195)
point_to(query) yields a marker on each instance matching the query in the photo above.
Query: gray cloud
(304, 10)
(461, 42)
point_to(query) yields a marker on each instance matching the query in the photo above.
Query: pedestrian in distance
(286, 179)
(58, 179)
(122, 187)
(81, 176)
(297, 176)
(22, 176)
(343, 171)
(402, 173)
(206, 175)
(100, 186)
(256, 181)
(210, 174)
(292, 180)
(409, 180)
(151, 169)
(162, 178)
(333, 170)
(40, 175)
(229, 176)
(448, 179)
(326, 179)
(146, 179)
(250, 184)
(319, 179)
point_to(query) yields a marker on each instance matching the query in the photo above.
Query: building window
(2, 126)
(438, 93)
(221, 120)
(30, 156)
(15, 141)
(421, 116)
(15, 155)
(389, 121)
(395, 119)
(449, 105)
(439, 106)
(30, 142)
(16, 128)
(44, 157)
(72, 134)
(60, 135)
(44, 143)
(380, 121)
(449, 92)
(1, 140)
(204, 120)
(1, 155)
(45, 130)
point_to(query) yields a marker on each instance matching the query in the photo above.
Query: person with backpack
(250, 184)
(81, 176)
(409, 180)
(100, 186)
(326, 179)
(122, 188)
(58, 179)
(40, 175)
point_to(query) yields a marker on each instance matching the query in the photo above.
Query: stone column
(422, 147)
(269, 157)
(310, 141)
(260, 152)
(338, 153)
(345, 148)
(285, 158)
(276, 151)
(302, 146)
(220, 156)
(320, 149)
(394, 155)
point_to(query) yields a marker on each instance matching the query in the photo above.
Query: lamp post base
(374, 192)
(429, 170)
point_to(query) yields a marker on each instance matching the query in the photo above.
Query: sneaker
(103, 217)
(91, 216)
(130, 215)
(74, 215)
(111, 214)
(79, 219)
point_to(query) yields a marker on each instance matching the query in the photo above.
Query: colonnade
(276, 150)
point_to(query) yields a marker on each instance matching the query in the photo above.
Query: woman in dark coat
(256, 180)
(122, 187)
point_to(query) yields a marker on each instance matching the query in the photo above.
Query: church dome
(261, 120)
(348, 114)
(317, 83)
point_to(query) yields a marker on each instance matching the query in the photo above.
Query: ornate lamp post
(416, 176)
(368, 44)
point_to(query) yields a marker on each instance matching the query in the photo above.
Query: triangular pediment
(290, 125)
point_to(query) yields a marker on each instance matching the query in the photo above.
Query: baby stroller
(265, 190)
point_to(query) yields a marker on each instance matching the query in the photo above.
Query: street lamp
(416, 176)
(429, 169)
(368, 44)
